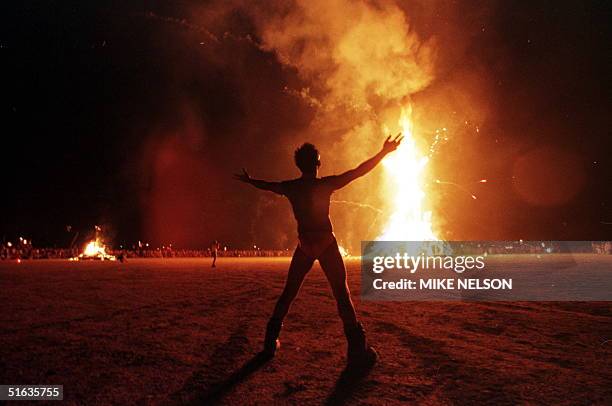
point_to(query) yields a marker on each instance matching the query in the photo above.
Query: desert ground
(175, 331)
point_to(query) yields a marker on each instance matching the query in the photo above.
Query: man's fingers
(393, 138)
(388, 138)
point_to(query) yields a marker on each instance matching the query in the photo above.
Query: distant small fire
(95, 250)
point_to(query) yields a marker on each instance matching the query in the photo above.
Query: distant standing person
(214, 251)
(309, 196)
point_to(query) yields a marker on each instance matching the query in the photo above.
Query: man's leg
(300, 265)
(333, 266)
(359, 353)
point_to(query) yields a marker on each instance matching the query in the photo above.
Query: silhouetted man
(310, 198)
(214, 250)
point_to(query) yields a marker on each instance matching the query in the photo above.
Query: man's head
(307, 158)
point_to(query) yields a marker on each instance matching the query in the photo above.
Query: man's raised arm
(347, 177)
(275, 187)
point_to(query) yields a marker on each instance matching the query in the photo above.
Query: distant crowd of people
(196, 253)
(27, 251)
(544, 247)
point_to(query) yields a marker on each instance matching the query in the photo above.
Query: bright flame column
(406, 166)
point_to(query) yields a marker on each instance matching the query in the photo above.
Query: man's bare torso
(310, 199)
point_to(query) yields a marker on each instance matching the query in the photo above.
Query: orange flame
(94, 248)
(409, 221)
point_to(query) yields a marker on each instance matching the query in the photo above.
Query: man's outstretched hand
(243, 177)
(391, 144)
(275, 187)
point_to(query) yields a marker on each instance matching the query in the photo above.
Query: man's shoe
(359, 353)
(271, 341)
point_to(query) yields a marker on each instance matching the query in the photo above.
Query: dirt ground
(178, 332)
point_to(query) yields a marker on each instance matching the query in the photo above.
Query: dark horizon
(134, 117)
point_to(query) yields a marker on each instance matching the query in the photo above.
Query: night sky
(134, 117)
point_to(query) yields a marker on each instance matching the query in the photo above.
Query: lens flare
(409, 221)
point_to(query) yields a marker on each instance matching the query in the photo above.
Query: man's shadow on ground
(222, 388)
(347, 384)
(344, 389)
